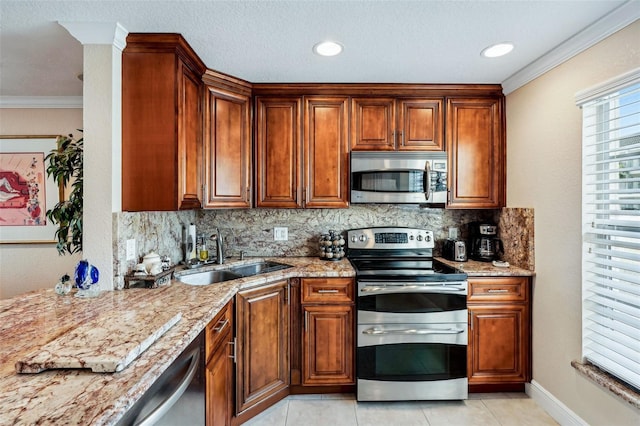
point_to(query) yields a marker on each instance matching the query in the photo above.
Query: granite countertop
(474, 268)
(55, 397)
(79, 396)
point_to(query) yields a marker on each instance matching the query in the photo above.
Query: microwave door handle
(426, 180)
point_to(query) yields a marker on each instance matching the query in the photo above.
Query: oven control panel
(390, 238)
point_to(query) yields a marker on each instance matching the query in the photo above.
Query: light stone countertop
(55, 397)
(475, 268)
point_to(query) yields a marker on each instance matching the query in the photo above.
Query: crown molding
(97, 32)
(40, 101)
(611, 23)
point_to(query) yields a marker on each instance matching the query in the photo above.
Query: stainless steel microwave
(398, 177)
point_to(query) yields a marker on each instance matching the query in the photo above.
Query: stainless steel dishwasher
(177, 397)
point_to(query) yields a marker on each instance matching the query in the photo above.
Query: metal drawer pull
(327, 291)
(233, 353)
(377, 331)
(497, 290)
(219, 327)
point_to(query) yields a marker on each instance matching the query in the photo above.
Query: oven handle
(435, 288)
(377, 331)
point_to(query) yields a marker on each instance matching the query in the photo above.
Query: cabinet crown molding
(165, 42)
(377, 89)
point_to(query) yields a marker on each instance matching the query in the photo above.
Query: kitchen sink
(208, 277)
(258, 268)
(222, 275)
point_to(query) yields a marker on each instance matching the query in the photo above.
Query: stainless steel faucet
(219, 246)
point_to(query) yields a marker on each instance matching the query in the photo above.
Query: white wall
(25, 267)
(544, 167)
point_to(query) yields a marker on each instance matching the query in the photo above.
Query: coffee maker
(485, 244)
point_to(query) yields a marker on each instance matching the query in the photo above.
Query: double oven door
(411, 340)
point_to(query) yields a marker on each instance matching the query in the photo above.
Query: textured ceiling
(271, 41)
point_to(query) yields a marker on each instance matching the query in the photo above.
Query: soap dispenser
(204, 252)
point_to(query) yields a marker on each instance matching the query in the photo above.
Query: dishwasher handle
(166, 405)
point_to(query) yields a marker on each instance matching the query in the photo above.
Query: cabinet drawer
(218, 328)
(327, 290)
(497, 289)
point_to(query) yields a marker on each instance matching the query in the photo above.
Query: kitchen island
(79, 396)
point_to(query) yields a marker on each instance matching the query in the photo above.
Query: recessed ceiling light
(497, 50)
(327, 48)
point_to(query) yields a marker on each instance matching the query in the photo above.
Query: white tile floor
(495, 409)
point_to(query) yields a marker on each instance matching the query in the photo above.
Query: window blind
(611, 230)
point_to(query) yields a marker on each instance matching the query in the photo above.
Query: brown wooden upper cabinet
(161, 123)
(302, 152)
(476, 153)
(227, 142)
(403, 124)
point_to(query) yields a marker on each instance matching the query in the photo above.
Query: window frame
(610, 287)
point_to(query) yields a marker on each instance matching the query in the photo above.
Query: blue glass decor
(86, 277)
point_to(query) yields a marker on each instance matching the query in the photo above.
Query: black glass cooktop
(415, 268)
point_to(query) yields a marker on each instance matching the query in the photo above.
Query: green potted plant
(65, 166)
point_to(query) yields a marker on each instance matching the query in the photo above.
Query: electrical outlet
(280, 233)
(131, 249)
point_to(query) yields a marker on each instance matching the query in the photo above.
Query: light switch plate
(131, 249)
(280, 233)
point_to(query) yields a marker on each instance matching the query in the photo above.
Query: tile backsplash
(251, 230)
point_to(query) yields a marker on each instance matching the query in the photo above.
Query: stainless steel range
(412, 317)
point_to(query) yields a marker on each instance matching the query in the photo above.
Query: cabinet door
(475, 146)
(278, 152)
(498, 344)
(262, 319)
(420, 126)
(326, 152)
(189, 138)
(219, 379)
(327, 355)
(372, 124)
(227, 150)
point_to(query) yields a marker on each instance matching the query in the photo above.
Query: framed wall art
(26, 193)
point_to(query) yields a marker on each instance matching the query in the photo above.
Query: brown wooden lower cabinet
(262, 348)
(499, 352)
(327, 351)
(327, 331)
(323, 351)
(219, 368)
